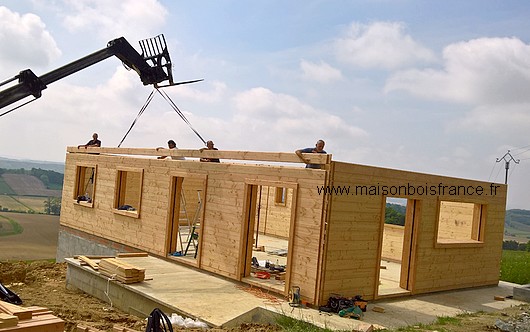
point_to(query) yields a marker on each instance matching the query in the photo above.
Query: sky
(437, 87)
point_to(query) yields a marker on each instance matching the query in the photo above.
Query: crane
(153, 66)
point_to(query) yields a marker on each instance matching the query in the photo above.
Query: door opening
(185, 218)
(269, 219)
(397, 249)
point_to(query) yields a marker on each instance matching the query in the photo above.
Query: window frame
(280, 196)
(478, 223)
(121, 185)
(80, 174)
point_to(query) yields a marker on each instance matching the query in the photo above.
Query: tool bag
(158, 322)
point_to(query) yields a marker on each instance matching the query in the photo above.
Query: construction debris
(115, 328)
(89, 261)
(30, 319)
(378, 309)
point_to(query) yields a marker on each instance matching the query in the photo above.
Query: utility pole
(507, 158)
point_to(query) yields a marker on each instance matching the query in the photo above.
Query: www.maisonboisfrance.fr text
(411, 190)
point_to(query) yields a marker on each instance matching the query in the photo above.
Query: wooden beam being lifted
(282, 157)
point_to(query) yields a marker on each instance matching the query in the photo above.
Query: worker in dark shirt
(94, 142)
(209, 146)
(319, 148)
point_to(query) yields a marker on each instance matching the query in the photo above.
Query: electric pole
(507, 158)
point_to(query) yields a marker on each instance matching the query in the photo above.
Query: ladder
(183, 217)
(193, 236)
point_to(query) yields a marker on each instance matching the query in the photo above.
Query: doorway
(397, 250)
(267, 235)
(186, 210)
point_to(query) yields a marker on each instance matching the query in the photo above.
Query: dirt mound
(42, 283)
(28, 185)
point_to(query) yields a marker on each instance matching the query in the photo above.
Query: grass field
(35, 203)
(23, 203)
(9, 226)
(4, 188)
(517, 232)
(515, 266)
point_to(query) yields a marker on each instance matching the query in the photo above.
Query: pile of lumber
(121, 271)
(28, 319)
(116, 269)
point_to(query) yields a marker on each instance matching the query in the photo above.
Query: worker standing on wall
(319, 148)
(171, 145)
(209, 146)
(94, 142)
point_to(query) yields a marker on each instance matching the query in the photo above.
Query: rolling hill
(29, 164)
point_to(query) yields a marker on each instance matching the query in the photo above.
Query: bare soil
(43, 283)
(38, 240)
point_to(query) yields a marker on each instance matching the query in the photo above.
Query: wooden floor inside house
(274, 250)
(389, 279)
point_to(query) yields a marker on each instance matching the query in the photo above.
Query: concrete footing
(522, 293)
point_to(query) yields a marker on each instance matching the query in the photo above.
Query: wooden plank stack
(121, 271)
(14, 318)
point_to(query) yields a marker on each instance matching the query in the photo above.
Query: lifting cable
(139, 114)
(173, 105)
(11, 110)
(179, 112)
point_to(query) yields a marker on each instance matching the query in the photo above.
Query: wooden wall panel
(393, 242)
(224, 205)
(455, 221)
(355, 222)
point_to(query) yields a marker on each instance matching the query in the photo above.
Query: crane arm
(153, 66)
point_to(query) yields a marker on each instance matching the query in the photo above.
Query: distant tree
(44, 178)
(54, 179)
(52, 206)
(528, 246)
(394, 217)
(510, 245)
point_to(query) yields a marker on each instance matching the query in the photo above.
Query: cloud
(110, 19)
(25, 42)
(511, 121)
(480, 71)
(322, 72)
(280, 118)
(383, 45)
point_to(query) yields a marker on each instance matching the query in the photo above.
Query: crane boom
(153, 66)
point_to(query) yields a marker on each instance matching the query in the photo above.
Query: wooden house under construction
(325, 227)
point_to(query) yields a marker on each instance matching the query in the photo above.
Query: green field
(22, 203)
(5, 189)
(515, 266)
(9, 226)
(517, 231)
